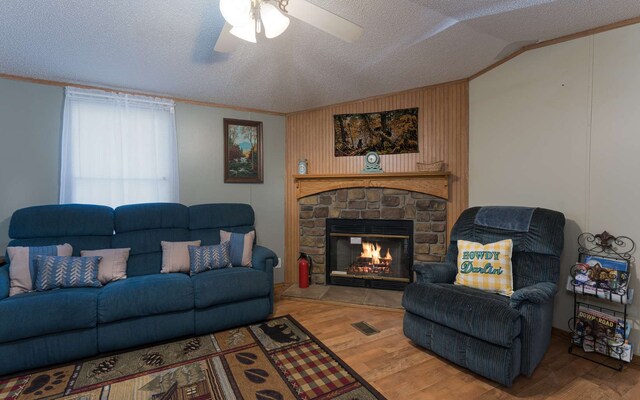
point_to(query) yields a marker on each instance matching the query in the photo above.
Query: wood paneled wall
(443, 135)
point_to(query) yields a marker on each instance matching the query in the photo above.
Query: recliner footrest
(482, 315)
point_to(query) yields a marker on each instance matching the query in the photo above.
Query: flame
(372, 250)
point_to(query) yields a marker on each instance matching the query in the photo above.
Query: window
(117, 149)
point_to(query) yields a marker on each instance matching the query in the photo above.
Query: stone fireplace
(426, 214)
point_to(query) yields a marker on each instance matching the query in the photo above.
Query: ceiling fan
(247, 18)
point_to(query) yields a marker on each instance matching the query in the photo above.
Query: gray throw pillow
(113, 265)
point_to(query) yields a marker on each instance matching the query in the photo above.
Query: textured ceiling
(166, 47)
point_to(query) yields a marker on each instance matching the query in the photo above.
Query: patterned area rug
(273, 360)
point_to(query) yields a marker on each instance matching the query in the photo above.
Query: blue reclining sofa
(50, 327)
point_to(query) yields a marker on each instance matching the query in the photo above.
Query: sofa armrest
(539, 293)
(4, 282)
(435, 272)
(260, 257)
(264, 260)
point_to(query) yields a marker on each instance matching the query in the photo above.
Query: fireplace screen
(374, 253)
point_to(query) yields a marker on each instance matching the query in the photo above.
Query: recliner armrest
(260, 257)
(538, 293)
(435, 272)
(264, 260)
(5, 282)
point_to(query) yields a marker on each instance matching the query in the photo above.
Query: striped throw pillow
(486, 267)
(66, 272)
(204, 258)
(241, 247)
(22, 265)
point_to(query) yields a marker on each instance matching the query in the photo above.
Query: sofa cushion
(143, 296)
(83, 226)
(229, 284)
(483, 315)
(61, 220)
(206, 221)
(41, 313)
(142, 227)
(220, 215)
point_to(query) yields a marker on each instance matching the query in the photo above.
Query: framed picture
(387, 132)
(242, 151)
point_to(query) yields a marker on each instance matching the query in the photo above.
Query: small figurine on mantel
(303, 167)
(372, 163)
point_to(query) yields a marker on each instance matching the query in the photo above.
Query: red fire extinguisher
(304, 270)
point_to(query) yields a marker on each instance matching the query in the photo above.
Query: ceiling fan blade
(227, 43)
(324, 20)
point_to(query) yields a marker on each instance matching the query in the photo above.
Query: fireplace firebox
(369, 253)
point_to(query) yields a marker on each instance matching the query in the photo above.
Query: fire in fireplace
(370, 261)
(369, 252)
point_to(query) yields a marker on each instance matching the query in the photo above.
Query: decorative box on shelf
(601, 293)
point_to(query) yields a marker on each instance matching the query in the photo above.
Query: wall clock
(372, 163)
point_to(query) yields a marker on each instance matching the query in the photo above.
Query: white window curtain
(118, 149)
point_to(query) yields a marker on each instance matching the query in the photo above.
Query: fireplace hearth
(369, 253)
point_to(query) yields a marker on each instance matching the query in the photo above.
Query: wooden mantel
(431, 183)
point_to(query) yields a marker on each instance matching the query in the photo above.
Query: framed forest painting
(243, 157)
(387, 132)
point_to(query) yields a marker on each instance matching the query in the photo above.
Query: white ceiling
(166, 47)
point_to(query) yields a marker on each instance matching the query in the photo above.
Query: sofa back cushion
(537, 234)
(83, 226)
(206, 221)
(142, 227)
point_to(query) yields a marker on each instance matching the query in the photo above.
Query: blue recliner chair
(495, 336)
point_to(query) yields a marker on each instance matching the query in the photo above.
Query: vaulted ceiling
(166, 47)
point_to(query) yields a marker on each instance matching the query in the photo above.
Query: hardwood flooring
(401, 370)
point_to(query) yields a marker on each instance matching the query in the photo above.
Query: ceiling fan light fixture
(275, 23)
(245, 32)
(236, 12)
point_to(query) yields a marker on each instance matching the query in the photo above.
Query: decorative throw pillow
(113, 265)
(204, 258)
(66, 272)
(22, 268)
(240, 247)
(175, 256)
(486, 267)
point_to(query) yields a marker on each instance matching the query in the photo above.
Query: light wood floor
(401, 370)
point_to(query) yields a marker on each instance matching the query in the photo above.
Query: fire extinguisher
(304, 270)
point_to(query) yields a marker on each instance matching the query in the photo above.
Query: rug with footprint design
(272, 360)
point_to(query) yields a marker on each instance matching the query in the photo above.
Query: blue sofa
(51, 327)
(495, 336)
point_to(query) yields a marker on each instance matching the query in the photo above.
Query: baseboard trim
(560, 332)
(279, 288)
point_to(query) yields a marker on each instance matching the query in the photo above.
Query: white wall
(559, 127)
(30, 129)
